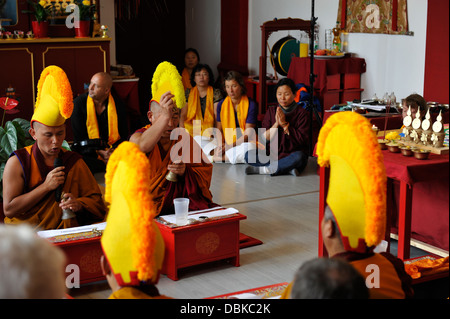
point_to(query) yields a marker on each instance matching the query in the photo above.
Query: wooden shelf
(52, 40)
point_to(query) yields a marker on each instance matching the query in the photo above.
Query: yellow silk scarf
(195, 111)
(227, 117)
(92, 124)
(186, 78)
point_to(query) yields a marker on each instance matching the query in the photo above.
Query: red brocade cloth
(299, 69)
(429, 180)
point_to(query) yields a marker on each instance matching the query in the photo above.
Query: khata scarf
(92, 124)
(195, 112)
(227, 117)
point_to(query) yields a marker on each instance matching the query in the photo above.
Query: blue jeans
(296, 160)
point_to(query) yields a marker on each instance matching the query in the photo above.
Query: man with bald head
(98, 115)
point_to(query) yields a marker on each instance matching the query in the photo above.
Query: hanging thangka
(373, 16)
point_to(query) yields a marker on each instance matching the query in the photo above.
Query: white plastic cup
(181, 210)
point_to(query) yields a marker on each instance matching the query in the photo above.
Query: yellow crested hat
(131, 241)
(166, 78)
(357, 185)
(54, 101)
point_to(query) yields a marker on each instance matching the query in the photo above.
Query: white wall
(107, 17)
(394, 62)
(203, 30)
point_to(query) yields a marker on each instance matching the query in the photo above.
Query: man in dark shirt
(99, 116)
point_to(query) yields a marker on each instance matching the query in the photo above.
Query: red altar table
(200, 243)
(423, 206)
(419, 192)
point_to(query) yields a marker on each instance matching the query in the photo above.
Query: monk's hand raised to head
(55, 178)
(177, 167)
(167, 104)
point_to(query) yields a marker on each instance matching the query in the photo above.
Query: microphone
(58, 192)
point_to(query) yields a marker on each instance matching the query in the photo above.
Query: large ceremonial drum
(283, 51)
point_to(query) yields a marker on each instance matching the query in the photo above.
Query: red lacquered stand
(200, 243)
(85, 253)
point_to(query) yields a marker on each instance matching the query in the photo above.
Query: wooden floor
(282, 212)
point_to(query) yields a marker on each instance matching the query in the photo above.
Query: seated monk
(30, 180)
(354, 221)
(192, 169)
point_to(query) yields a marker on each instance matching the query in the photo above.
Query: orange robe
(193, 185)
(392, 276)
(133, 293)
(394, 282)
(79, 182)
(186, 78)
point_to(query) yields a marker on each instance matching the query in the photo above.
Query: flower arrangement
(392, 137)
(41, 10)
(19, 34)
(8, 35)
(87, 10)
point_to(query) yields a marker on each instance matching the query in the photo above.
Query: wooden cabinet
(22, 61)
(338, 80)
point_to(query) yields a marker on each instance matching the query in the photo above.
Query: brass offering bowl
(382, 144)
(406, 151)
(393, 147)
(421, 154)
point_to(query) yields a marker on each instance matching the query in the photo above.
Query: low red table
(82, 248)
(85, 253)
(266, 292)
(201, 243)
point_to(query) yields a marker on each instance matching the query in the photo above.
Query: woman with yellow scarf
(199, 113)
(236, 119)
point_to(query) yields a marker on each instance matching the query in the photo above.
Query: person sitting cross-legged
(287, 127)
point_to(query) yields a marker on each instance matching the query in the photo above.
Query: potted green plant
(87, 13)
(13, 136)
(41, 11)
